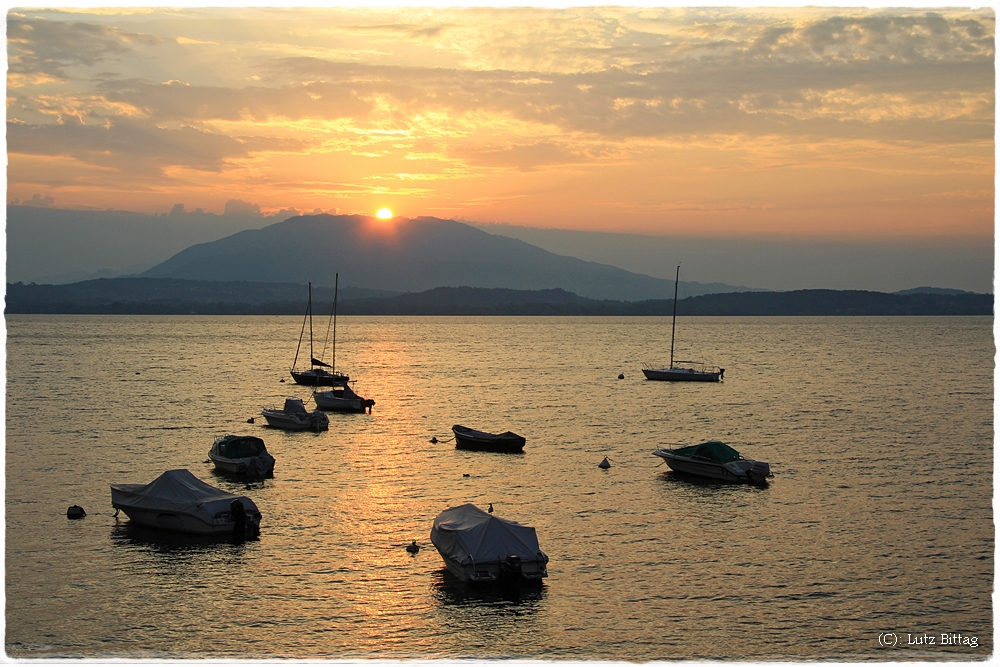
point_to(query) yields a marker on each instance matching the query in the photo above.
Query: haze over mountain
(406, 255)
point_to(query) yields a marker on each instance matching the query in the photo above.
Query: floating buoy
(465, 474)
(605, 464)
(621, 376)
(137, 373)
(413, 547)
(250, 421)
(281, 380)
(75, 512)
(434, 439)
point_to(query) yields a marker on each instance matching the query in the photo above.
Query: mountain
(404, 255)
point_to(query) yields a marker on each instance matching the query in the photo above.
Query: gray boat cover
(469, 533)
(180, 492)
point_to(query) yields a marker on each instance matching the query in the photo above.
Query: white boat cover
(468, 533)
(180, 492)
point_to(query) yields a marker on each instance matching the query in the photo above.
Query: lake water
(877, 527)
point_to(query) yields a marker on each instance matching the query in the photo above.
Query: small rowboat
(506, 442)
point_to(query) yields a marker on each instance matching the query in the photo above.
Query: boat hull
(243, 466)
(478, 441)
(532, 572)
(681, 375)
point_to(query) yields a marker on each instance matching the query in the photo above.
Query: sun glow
(384, 213)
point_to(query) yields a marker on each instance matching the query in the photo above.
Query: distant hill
(173, 296)
(931, 290)
(406, 255)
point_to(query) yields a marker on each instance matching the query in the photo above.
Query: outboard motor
(239, 514)
(759, 472)
(510, 570)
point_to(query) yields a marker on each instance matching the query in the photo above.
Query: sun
(384, 213)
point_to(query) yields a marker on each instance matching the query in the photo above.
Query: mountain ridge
(406, 255)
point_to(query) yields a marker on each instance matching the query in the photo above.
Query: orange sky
(809, 123)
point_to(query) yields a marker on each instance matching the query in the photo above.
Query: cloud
(239, 207)
(36, 200)
(125, 145)
(50, 47)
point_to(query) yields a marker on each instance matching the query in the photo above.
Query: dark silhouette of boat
(317, 373)
(692, 371)
(506, 442)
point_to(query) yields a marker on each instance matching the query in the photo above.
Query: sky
(813, 125)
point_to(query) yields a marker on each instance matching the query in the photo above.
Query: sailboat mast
(673, 325)
(311, 353)
(336, 285)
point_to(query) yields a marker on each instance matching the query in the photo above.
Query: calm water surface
(879, 432)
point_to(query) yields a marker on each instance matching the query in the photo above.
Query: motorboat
(294, 417)
(178, 501)
(341, 398)
(682, 371)
(479, 547)
(317, 373)
(716, 460)
(469, 438)
(243, 455)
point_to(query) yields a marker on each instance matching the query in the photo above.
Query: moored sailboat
(681, 371)
(317, 373)
(340, 397)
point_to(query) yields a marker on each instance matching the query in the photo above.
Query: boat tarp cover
(240, 446)
(469, 533)
(294, 406)
(180, 492)
(713, 450)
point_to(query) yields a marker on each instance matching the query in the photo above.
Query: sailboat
(340, 397)
(317, 373)
(691, 371)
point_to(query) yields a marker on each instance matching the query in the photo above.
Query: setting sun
(384, 213)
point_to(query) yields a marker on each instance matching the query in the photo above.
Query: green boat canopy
(712, 450)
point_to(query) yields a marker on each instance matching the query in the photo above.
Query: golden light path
(384, 213)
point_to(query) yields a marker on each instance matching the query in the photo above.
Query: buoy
(137, 373)
(281, 380)
(413, 547)
(605, 464)
(465, 474)
(434, 439)
(250, 421)
(75, 512)
(621, 376)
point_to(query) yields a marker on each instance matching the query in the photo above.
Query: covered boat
(716, 460)
(294, 417)
(179, 501)
(479, 547)
(341, 398)
(242, 455)
(468, 438)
